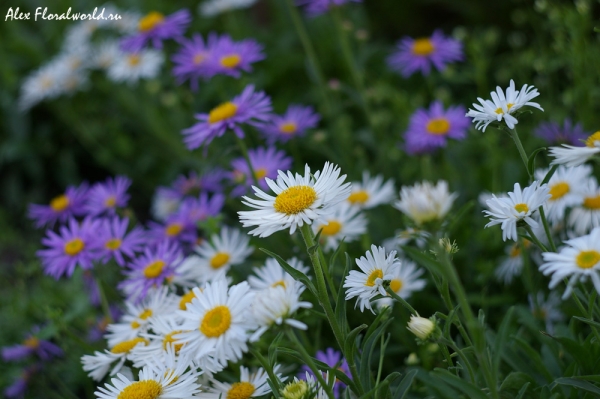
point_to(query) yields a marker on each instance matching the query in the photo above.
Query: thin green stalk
(585, 313)
(534, 238)
(380, 367)
(244, 151)
(103, 299)
(515, 137)
(462, 356)
(268, 368)
(547, 228)
(402, 301)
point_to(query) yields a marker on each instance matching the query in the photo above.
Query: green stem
(103, 300)
(380, 367)
(534, 238)
(515, 137)
(547, 228)
(402, 301)
(268, 368)
(309, 240)
(244, 151)
(585, 313)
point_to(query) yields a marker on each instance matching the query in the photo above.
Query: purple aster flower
(45, 350)
(155, 27)
(150, 269)
(194, 184)
(61, 208)
(296, 120)
(317, 7)
(70, 248)
(429, 129)
(97, 332)
(112, 240)
(194, 60)
(195, 210)
(265, 162)
(232, 57)
(553, 133)
(105, 198)
(176, 229)
(333, 359)
(419, 54)
(249, 107)
(17, 388)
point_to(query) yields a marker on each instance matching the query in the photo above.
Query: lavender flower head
(177, 229)
(106, 197)
(71, 247)
(194, 184)
(318, 7)
(265, 162)
(429, 129)
(17, 388)
(414, 55)
(333, 359)
(151, 269)
(61, 208)
(553, 133)
(112, 241)
(294, 122)
(195, 60)
(249, 107)
(198, 209)
(155, 27)
(233, 57)
(32, 345)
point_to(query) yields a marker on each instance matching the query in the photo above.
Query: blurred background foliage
(109, 129)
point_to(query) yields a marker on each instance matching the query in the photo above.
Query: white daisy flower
(346, 221)
(375, 269)
(425, 202)
(98, 364)
(403, 237)
(404, 281)
(581, 259)
(546, 309)
(131, 67)
(574, 156)
(163, 205)
(211, 8)
(272, 274)
(276, 305)
(512, 265)
(106, 54)
(217, 322)
(156, 381)
(250, 385)
(159, 342)
(299, 200)
(371, 192)
(502, 106)
(587, 216)
(518, 206)
(565, 187)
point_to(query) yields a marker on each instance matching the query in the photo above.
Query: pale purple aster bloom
(176, 229)
(194, 60)
(97, 332)
(106, 197)
(333, 359)
(265, 162)
(155, 27)
(232, 57)
(150, 269)
(296, 120)
(429, 129)
(197, 209)
(69, 204)
(249, 107)
(17, 388)
(70, 248)
(317, 7)
(419, 54)
(91, 288)
(32, 345)
(194, 184)
(568, 133)
(112, 241)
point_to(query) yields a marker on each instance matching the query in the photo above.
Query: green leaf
(586, 386)
(295, 273)
(531, 161)
(367, 353)
(350, 345)
(516, 381)
(587, 321)
(522, 391)
(549, 174)
(472, 391)
(272, 354)
(402, 388)
(502, 337)
(340, 305)
(424, 260)
(311, 250)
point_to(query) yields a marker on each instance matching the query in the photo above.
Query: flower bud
(421, 327)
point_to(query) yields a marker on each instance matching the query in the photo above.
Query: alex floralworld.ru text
(43, 14)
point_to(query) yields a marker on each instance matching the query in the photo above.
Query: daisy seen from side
(569, 155)
(371, 191)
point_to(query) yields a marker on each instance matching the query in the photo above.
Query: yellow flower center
(331, 228)
(74, 246)
(199, 58)
(59, 203)
(294, 200)
(222, 112)
(231, 60)
(150, 21)
(279, 283)
(592, 202)
(173, 229)
(126, 346)
(295, 390)
(154, 269)
(240, 390)
(592, 139)
(113, 244)
(216, 321)
(134, 324)
(185, 299)
(375, 274)
(559, 190)
(133, 60)
(396, 284)
(146, 389)
(515, 251)
(168, 339)
(288, 128)
(146, 313)
(219, 260)
(587, 259)
(110, 201)
(438, 126)
(521, 208)
(501, 111)
(358, 197)
(423, 47)
(260, 173)
(32, 342)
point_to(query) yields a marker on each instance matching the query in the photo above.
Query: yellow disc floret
(559, 190)
(154, 269)
(146, 389)
(240, 390)
(331, 228)
(423, 47)
(59, 203)
(438, 126)
(216, 321)
(587, 259)
(74, 246)
(358, 197)
(219, 260)
(150, 21)
(375, 274)
(231, 60)
(288, 128)
(126, 346)
(396, 284)
(295, 199)
(592, 202)
(522, 207)
(590, 141)
(222, 112)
